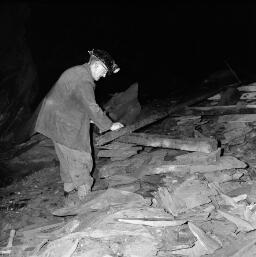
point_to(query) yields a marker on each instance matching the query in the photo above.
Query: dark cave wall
(155, 44)
(163, 47)
(18, 74)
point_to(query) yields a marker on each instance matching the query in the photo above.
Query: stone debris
(7, 249)
(120, 154)
(248, 96)
(124, 106)
(102, 200)
(189, 194)
(204, 244)
(237, 118)
(241, 245)
(205, 145)
(183, 187)
(248, 88)
(154, 223)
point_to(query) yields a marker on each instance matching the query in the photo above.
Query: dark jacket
(67, 110)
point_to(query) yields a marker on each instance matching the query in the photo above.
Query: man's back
(62, 114)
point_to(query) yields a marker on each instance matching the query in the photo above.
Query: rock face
(124, 107)
(18, 75)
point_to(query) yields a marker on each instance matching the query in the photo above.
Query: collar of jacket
(86, 66)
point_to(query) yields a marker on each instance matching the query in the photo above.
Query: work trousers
(75, 166)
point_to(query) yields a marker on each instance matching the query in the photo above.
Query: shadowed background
(165, 48)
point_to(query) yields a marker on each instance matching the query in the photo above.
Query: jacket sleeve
(86, 95)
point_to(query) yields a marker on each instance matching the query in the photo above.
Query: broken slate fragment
(204, 244)
(225, 163)
(191, 193)
(199, 158)
(248, 88)
(153, 222)
(224, 175)
(205, 145)
(237, 118)
(103, 200)
(242, 225)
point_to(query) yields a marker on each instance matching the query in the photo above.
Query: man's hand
(116, 126)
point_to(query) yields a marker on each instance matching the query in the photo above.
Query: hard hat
(107, 60)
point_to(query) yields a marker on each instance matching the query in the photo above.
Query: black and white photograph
(127, 129)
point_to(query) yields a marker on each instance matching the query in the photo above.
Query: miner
(65, 115)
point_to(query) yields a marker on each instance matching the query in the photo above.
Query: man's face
(98, 70)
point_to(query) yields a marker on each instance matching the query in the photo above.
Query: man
(65, 116)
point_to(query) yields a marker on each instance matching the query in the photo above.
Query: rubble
(203, 245)
(187, 195)
(144, 121)
(248, 88)
(237, 118)
(118, 151)
(124, 107)
(242, 245)
(7, 249)
(248, 96)
(181, 189)
(189, 144)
